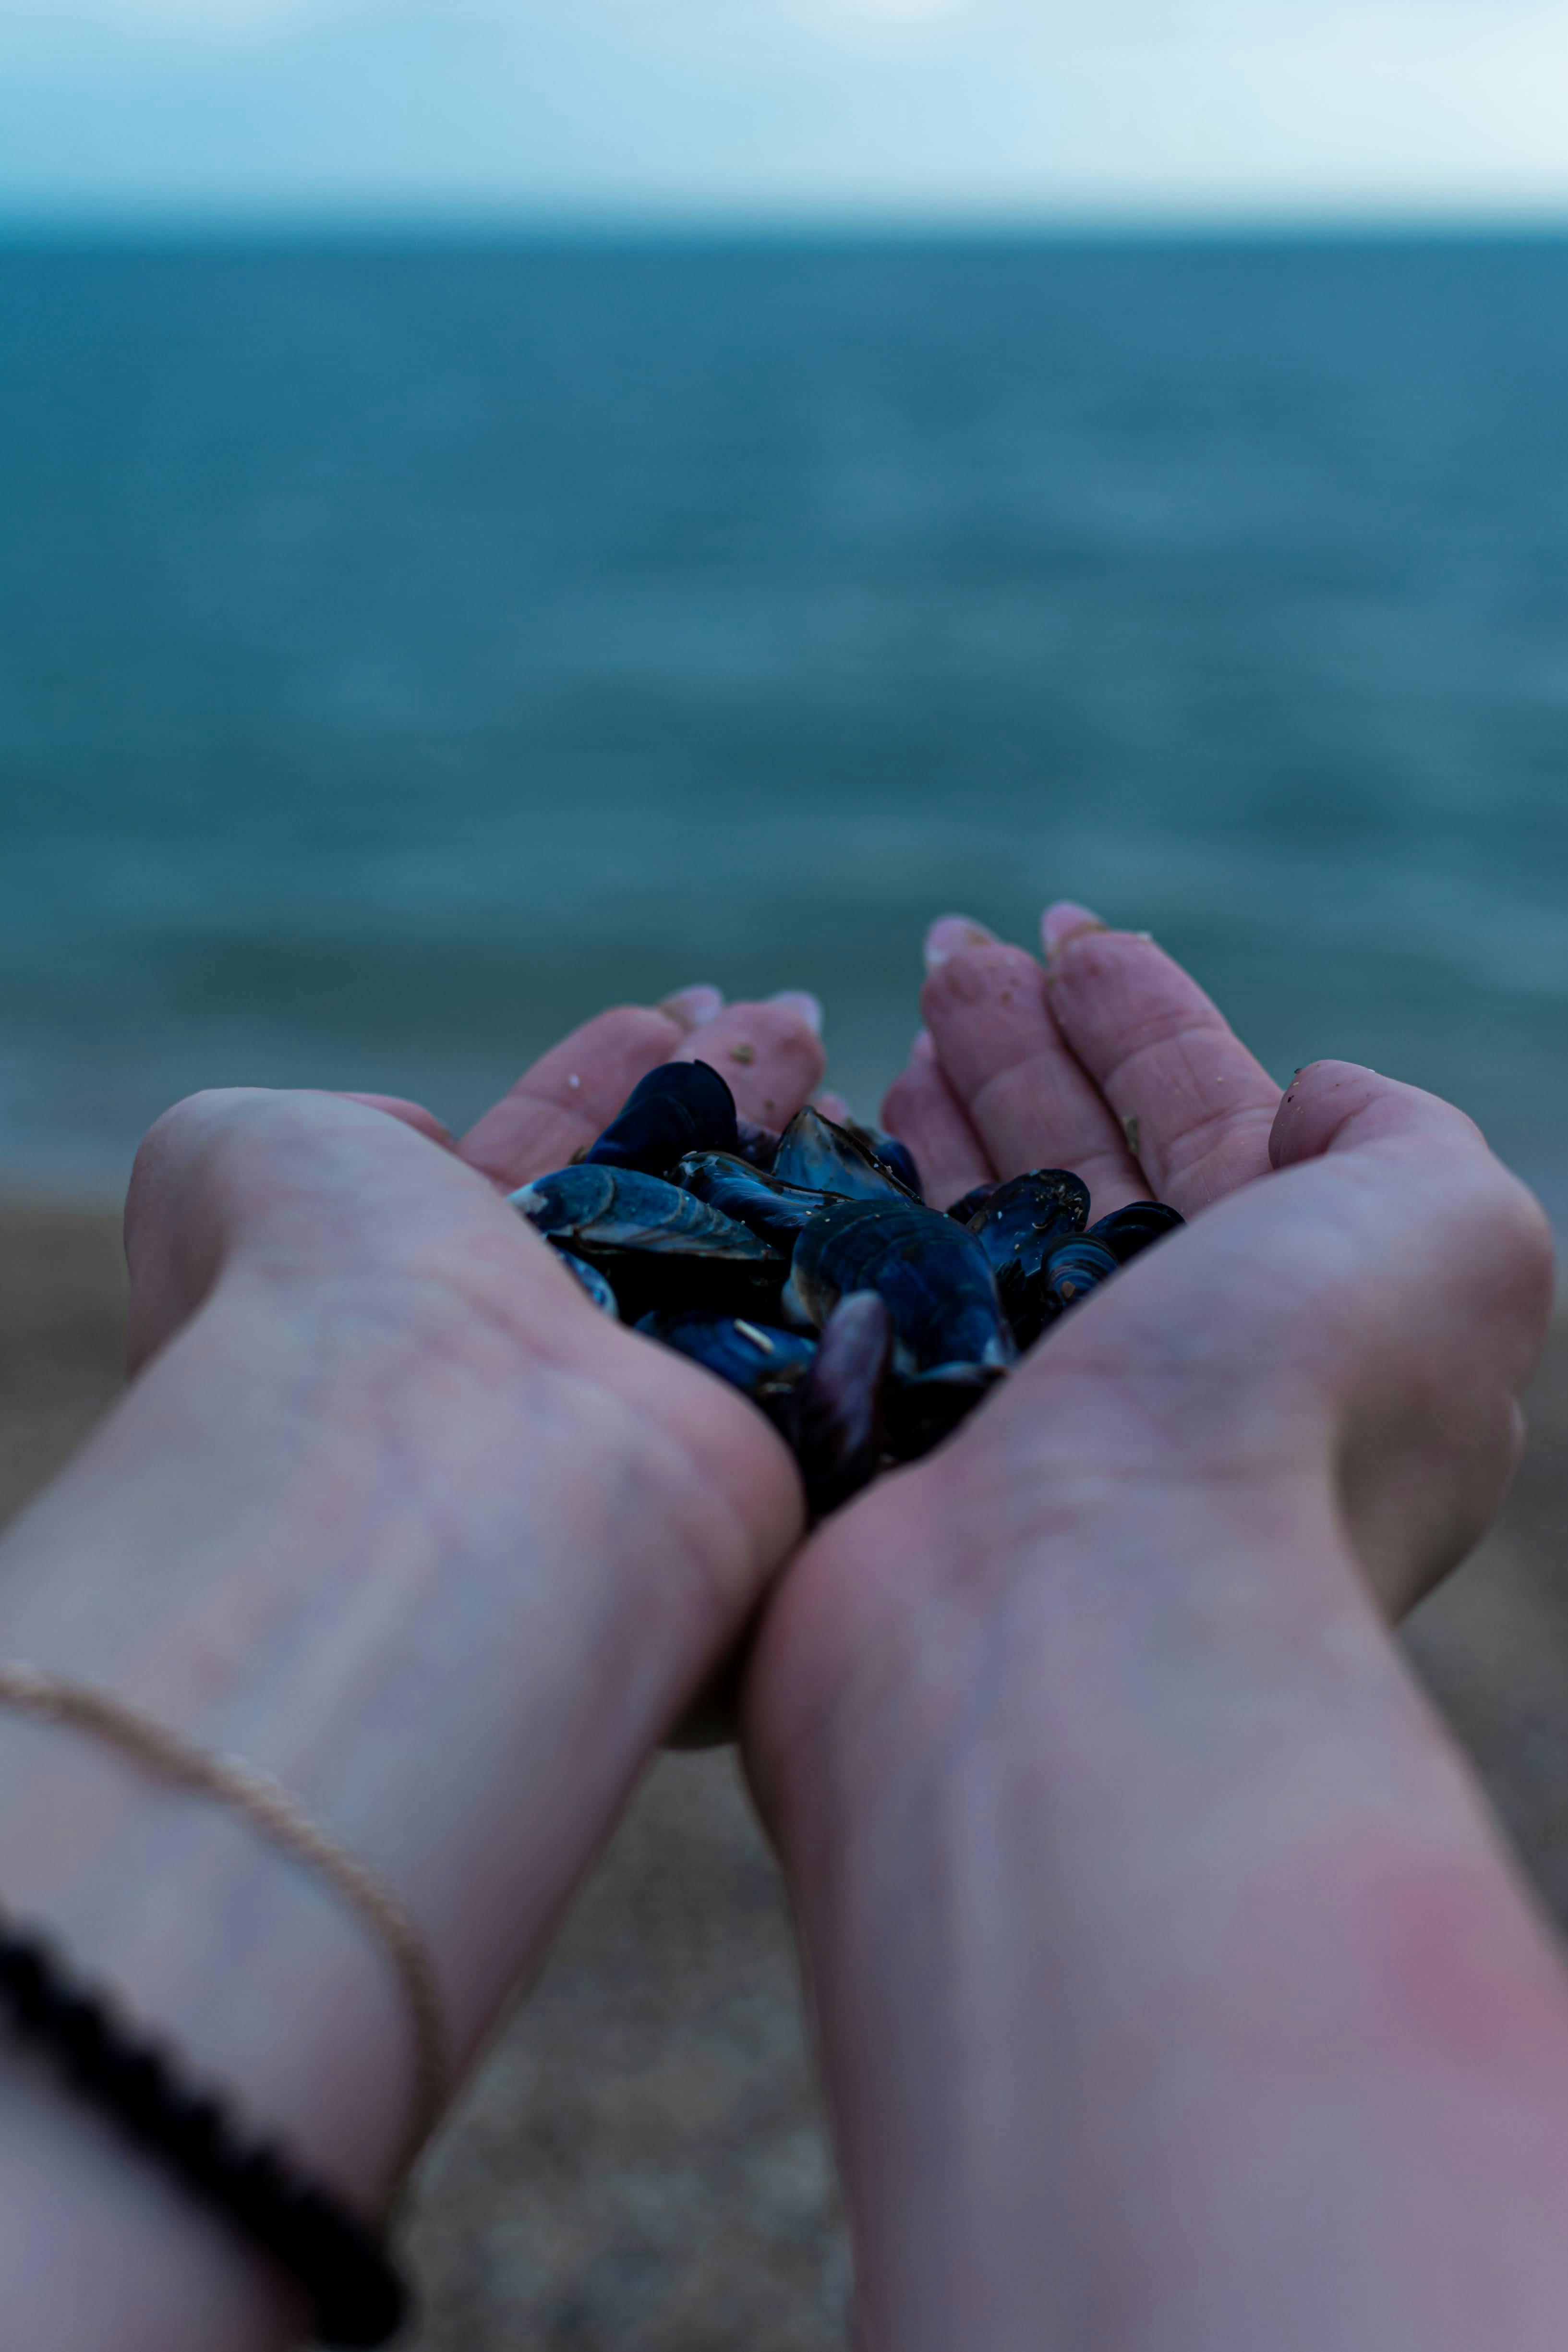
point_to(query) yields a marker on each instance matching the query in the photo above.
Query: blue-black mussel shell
(826, 1157)
(761, 1201)
(1073, 1266)
(764, 1362)
(1127, 1231)
(888, 1153)
(659, 1246)
(932, 1273)
(824, 1397)
(679, 1107)
(902, 1317)
(969, 1208)
(596, 1209)
(1022, 1220)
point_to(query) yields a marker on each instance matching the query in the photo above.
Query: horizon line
(210, 222)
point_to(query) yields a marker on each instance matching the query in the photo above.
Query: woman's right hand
(1172, 1989)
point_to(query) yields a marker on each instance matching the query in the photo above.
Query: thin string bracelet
(278, 1816)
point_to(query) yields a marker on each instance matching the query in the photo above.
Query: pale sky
(656, 108)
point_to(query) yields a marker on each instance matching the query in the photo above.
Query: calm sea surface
(402, 653)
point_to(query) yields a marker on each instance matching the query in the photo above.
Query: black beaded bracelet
(356, 2298)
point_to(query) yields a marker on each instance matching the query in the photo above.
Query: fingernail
(923, 1050)
(831, 1105)
(801, 1001)
(950, 934)
(692, 1006)
(1064, 920)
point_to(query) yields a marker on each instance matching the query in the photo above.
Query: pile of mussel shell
(806, 1269)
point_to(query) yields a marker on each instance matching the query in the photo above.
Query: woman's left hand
(394, 1512)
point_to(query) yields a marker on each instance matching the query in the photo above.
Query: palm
(1348, 1240)
(387, 1228)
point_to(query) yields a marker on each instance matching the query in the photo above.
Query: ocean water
(405, 651)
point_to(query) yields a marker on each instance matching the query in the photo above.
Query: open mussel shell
(774, 1211)
(681, 1107)
(1021, 1220)
(1126, 1231)
(932, 1276)
(815, 1152)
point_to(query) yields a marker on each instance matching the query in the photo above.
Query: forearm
(274, 1548)
(1173, 1993)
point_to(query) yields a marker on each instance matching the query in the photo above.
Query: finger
(1025, 1095)
(570, 1094)
(1170, 1066)
(1341, 1106)
(770, 1055)
(922, 1110)
(308, 1185)
(412, 1114)
(1453, 1290)
(1428, 1179)
(691, 1007)
(830, 1104)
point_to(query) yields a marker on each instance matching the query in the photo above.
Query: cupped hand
(393, 1512)
(1376, 1277)
(364, 1234)
(1169, 1982)
(1360, 1294)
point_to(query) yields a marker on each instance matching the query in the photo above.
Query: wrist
(1130, 1869)
(431, 1576)
(1063, 1528)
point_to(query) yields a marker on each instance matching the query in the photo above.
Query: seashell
(1072, 1266)
(765, 1364)
(1073, 1269)
(813, 1152)
(969, 1208)
(887, 1152)
(1021, 1219)
(932, 1276)
(681, 1107)
(1126, 1232)
(764, 1204)
(705, 1231)
(605, 1208)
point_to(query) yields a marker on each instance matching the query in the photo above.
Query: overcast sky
(651, 108)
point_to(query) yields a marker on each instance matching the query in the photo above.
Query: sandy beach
(640, 2166)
